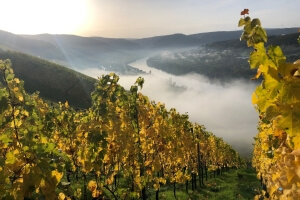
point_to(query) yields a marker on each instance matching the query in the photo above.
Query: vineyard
(120, 148)
(277, 100)
(127, 147)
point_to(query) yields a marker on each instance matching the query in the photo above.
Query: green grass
(227, 186)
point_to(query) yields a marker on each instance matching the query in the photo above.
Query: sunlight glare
(47, 16)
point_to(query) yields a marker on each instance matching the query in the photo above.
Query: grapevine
(52, 151)
(277, 100)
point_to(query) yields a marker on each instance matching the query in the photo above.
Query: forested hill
(218, 60)
(284, 40)
(78, 52)
(224, 60)
(288, 44)
(54, 82)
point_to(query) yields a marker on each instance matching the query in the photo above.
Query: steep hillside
(92, 52)
(221, 60)
(115, 54)
(54, 82)
(287, 42)
(32, 46)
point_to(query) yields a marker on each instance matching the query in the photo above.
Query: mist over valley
(225, 109)
(205, 75)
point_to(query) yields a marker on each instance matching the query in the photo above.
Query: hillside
(92, 52)
(10, 41)
(212, 37)
(288, 44)
(79, 53)
(219, 60)
(53, 81)
(222, 60)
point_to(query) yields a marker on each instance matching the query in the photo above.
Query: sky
(140, 18)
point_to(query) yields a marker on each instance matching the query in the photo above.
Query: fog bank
(224, 109)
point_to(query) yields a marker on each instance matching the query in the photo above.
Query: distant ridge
(30, 56)
(78, 52)
(211, 37)
(39, 48)
(222, 60)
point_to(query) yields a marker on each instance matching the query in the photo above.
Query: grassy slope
(225, 187)
(54, 82)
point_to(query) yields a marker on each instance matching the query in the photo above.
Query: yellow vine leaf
(92, 185)
(156, 186)
(78, 193)
(279, 133)
(10, 158)
(16, 113)
(61, 196)
(21, 98)
(298, 173)
(17, 80)
(137, 181)
(96, 193)
(57, 175)
(110, 179)
(289, 174)
(296, 142)
(106, 158)
(275, 176)
(257, 75)
(147, 162)
(254, 98)
(265, 146)
(15, 123)
(44, 140)
(67, 104)
(272, 189)
(25, 112)
(162, 180)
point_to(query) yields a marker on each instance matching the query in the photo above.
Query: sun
(47, 16)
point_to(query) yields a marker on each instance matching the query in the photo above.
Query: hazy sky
(140, 18)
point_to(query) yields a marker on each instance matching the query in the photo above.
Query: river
(187, 82)
(225, 109)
